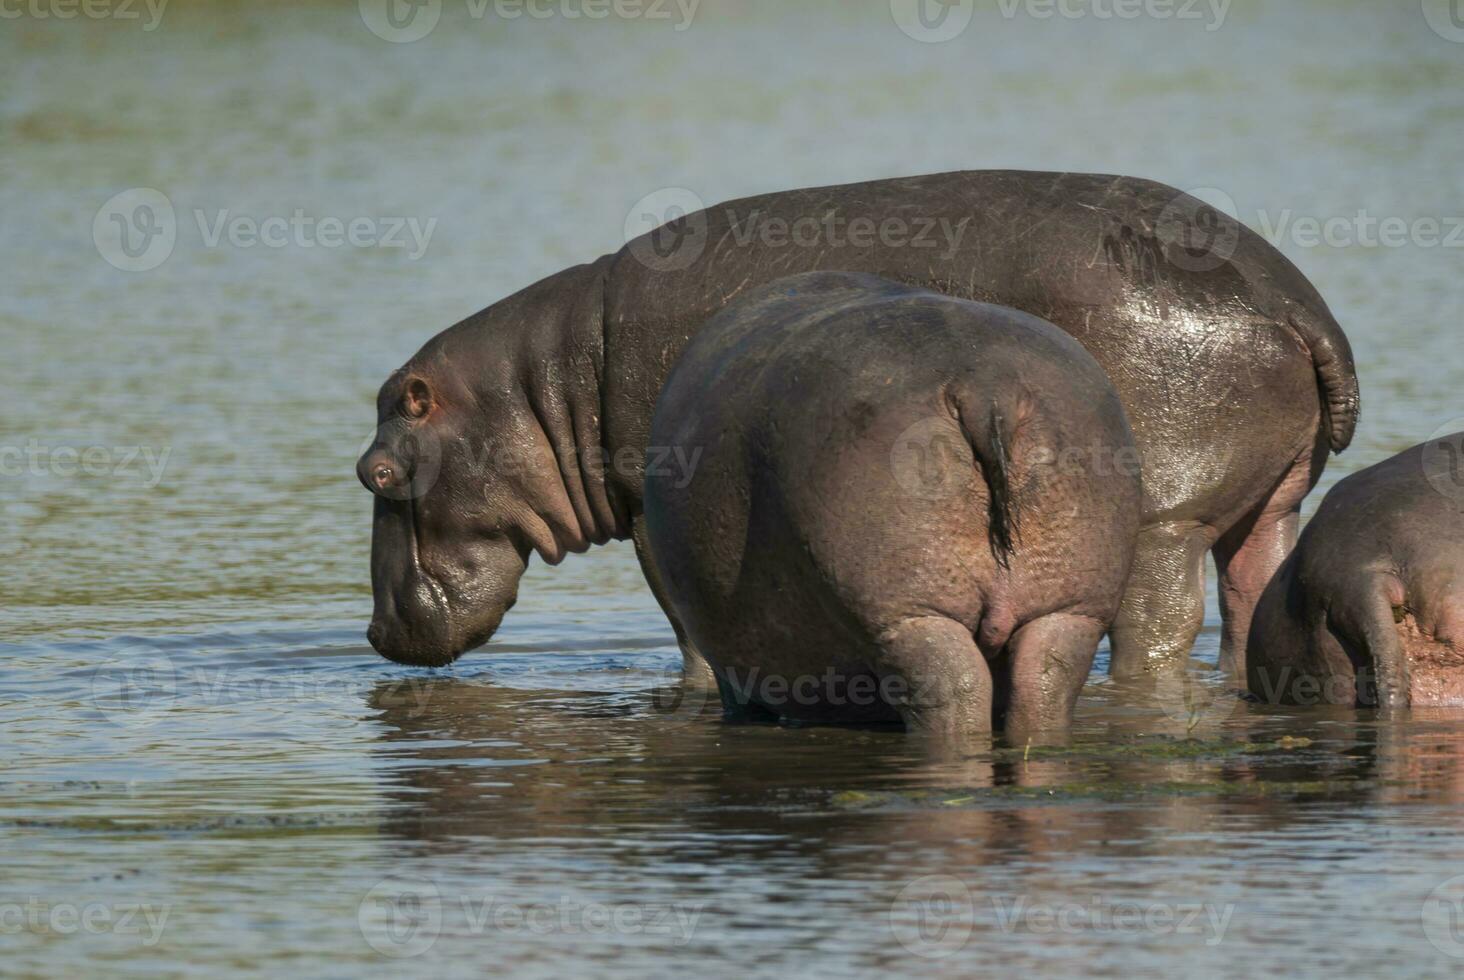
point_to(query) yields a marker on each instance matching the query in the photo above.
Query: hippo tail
(990, 433)
(1336, 373)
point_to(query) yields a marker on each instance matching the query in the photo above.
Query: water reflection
(470, 759)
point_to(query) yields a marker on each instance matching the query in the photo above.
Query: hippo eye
(416, 399)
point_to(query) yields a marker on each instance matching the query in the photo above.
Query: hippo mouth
(426, 618)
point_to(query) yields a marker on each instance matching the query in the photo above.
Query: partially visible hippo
(1369, 609)
(904, 506)
(524, 427)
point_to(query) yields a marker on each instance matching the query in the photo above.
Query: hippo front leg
(936, 677)
(1383, 680)
(697, 672)
(1163, 606)
(1051, 658)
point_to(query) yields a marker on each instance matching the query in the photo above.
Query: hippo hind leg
(936, 677)
(1248, 555)
(1050, 659)
(1163, 606)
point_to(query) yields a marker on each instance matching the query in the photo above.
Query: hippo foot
(696, 673)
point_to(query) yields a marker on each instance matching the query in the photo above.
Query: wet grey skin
(1368, 611)
(904, 507)
(525, 427)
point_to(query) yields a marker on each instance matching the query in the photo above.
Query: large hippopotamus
(905, 506)
(526, 426)
(1369, 608)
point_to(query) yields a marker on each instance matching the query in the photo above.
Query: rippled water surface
(202, 762)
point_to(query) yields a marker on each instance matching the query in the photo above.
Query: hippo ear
(416, 399)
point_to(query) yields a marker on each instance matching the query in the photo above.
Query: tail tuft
(996, 460)
(1336, 376)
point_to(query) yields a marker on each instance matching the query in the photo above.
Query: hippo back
(1216, 343)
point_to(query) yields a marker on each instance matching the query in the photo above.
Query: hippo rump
(1369, 609)
(525, 427)
(904, 506)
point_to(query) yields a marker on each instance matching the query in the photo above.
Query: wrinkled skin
(1235, 377)
(1369, 609)
(934, 497)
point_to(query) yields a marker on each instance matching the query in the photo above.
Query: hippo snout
(390, 638)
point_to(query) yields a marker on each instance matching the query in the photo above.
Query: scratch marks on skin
(736, 290)
(730, 235)
(1139, 256)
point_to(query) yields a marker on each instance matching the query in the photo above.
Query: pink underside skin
(1436, 668)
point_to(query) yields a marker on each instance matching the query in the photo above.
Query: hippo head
(445, 557)
(487, 448)
(467, 484)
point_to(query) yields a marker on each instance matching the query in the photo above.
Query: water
(203, 762)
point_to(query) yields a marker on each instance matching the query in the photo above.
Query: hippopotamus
(905, 506)
(1368, 611)
(525, 428)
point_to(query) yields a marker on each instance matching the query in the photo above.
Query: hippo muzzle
(431, 608)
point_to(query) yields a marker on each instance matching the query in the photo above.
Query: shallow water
(197, 740)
